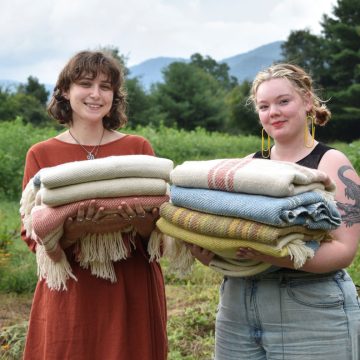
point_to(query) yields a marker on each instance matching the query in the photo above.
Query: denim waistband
(296, 274)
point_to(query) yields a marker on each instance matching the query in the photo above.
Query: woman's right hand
(87, 220)
(203, 255)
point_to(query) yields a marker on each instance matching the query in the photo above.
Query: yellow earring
(310, 120)
(265, 152)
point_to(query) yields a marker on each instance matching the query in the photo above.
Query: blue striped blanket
(313, 209)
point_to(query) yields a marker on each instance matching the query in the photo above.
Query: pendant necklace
(90, 154)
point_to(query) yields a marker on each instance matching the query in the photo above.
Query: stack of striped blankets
(54, 194)
(274, 207)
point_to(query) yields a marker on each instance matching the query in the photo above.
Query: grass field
(191, 302)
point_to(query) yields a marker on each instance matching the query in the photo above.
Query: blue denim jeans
(288, 315)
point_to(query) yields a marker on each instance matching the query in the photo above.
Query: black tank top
(312, 160)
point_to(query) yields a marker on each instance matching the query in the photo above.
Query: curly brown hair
(90, 63)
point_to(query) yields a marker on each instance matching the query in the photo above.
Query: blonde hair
(302, 83)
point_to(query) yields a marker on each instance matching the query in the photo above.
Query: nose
(95, 91)
(274, 110)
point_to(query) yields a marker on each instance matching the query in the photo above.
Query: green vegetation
(199, 112)
(191, 301)
(202, 93)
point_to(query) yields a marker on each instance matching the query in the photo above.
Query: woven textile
(111, 167)
(252, 176)
(227, 248)
(230, 227)
(48, 220)
(101, 189)
(240, 268)
(313, 209)
(94, 251)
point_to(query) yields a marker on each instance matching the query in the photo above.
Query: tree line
(202, 93)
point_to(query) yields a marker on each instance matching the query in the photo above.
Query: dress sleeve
(31, 168)
(147, 148)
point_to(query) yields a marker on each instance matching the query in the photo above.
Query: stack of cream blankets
(274, 207)
(54, 194)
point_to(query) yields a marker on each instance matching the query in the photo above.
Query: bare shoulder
(335, 163)
(342, 172)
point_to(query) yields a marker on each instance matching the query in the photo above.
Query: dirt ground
(14, 308)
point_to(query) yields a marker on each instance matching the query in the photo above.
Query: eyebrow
(277, 97)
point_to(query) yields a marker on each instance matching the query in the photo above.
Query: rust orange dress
(96, 319)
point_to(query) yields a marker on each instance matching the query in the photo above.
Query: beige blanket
(102, 189)
(252, 176)
(106, 168)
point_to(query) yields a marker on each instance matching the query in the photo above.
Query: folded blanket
(237, 228)
(94, 251)
(252, 176)
(227, 248)
(47, 220)
(313, 209)
(104, 168)
(102, 189)
(239, 268)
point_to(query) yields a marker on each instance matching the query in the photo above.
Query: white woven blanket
(102, 189)
(105, 168)
(251, 176)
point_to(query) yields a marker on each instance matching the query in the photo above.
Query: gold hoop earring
(265, 153)
(310, 120)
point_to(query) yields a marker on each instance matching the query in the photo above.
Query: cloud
(38, 37)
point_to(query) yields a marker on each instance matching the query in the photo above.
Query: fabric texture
(95, 318)
(278, 178)
(100, 249)
(226, 247)
(313, 209)
(231, 227)
(111, 167)
(101, 189)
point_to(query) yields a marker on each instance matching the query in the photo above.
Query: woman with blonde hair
(313, 312)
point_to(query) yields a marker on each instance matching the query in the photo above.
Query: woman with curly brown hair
(95, 318)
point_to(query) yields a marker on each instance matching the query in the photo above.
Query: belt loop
(340, 274)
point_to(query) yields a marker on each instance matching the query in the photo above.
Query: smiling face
(90, 98)
(282, 110)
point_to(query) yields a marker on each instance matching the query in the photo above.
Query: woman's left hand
(249, 253)
(143, 221)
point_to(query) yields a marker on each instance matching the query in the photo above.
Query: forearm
(330, 256)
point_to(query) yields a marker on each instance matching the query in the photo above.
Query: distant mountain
(12, 85)
(246, 66)
(150, 71)
(242, 66)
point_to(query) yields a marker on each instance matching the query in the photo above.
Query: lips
(277, 124)
(93, 106)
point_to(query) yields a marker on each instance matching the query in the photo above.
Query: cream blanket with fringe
(54, 194)
(102, 189)
(252, 176)
(110, 167)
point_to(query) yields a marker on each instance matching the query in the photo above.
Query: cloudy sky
(37, 37)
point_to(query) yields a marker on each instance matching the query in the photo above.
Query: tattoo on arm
(351, 212)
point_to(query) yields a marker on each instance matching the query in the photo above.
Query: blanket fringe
(27, 203)
(180, 258)
(55, 274)
(155, 245)
(299, 253)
